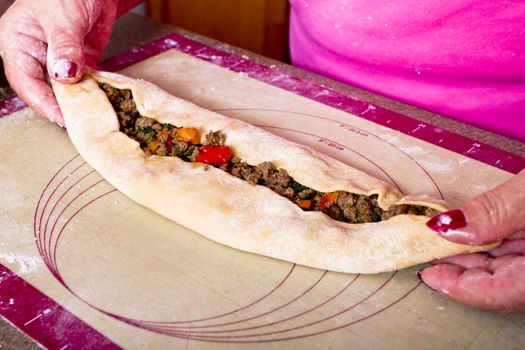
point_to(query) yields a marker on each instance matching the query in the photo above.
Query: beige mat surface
(143, 281)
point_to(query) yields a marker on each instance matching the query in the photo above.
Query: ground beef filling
(168, 140)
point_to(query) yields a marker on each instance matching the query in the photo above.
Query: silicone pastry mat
(83, 266)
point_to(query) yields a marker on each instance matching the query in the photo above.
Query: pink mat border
(44, 320)
(271, 75)
(48, 316)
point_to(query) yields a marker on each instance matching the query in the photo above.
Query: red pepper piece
(215, 155)
(169, 144)
(324, 200)
(327, 200)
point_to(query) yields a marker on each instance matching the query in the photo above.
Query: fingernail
(65, 69)
(418, 274)
(58, 122)
(450, 220)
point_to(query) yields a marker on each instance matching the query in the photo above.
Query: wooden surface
(133, 30)
(4, 5)
(260, 26)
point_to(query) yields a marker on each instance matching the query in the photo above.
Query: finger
(488, 218)
(509, 247)
(65, 62)
(98, 36)
(27, 78)
(503, 260)
(467, 261)
(479, 260)
(518, 235)
(504, 289)
(66, 37)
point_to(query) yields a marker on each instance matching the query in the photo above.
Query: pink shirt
(460, 58)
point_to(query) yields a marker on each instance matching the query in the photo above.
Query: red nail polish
(65, 69)
(450, 220)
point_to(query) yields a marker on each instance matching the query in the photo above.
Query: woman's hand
(495, 279)
(54, 39)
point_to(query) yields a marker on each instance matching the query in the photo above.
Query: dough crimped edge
(230, 211)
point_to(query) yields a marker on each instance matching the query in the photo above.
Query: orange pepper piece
(190, 135)
(329, 199)
(304, 203)
(153, 145)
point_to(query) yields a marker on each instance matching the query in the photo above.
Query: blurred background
(259, 26)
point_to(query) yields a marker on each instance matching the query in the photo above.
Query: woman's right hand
(53, 39)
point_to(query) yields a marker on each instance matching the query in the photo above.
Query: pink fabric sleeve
(461, 58)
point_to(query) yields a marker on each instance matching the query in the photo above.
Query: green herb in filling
(168, 140)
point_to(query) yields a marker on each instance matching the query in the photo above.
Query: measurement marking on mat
(419, 126)
(45, 312)
(474, 147)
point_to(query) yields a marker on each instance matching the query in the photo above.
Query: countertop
(133, 30)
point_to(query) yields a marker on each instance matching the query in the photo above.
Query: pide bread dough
(230, 211)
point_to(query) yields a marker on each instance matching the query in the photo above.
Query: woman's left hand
(490, 280)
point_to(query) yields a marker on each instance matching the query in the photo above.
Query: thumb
(65, 54)
(487, 218)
